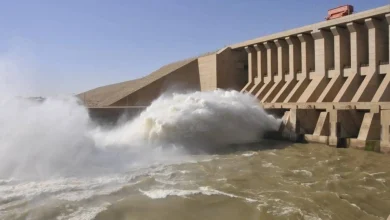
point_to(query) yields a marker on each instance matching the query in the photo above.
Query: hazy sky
(53, 47)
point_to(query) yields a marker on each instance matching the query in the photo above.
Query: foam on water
(204, 190)
(249, 154)
(303, 172)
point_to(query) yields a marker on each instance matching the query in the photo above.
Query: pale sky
(65, 47)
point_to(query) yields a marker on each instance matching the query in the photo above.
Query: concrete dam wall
(329, 81)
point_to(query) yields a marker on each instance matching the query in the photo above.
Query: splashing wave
(56, 136)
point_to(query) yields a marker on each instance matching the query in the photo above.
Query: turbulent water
(55, 163)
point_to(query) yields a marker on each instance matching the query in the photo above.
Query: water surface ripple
(298, 182)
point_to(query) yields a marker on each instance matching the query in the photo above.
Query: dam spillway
(329, 81)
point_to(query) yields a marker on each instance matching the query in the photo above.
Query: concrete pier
(330, 80)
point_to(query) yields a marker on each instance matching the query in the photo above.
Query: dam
(329, 81)
(194, 139)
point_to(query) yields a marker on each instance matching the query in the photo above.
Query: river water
(56, 164)
(299, 181)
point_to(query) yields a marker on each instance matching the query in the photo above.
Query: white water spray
(200, 120)
(57, 137)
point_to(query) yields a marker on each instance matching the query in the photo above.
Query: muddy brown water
(300, 181)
